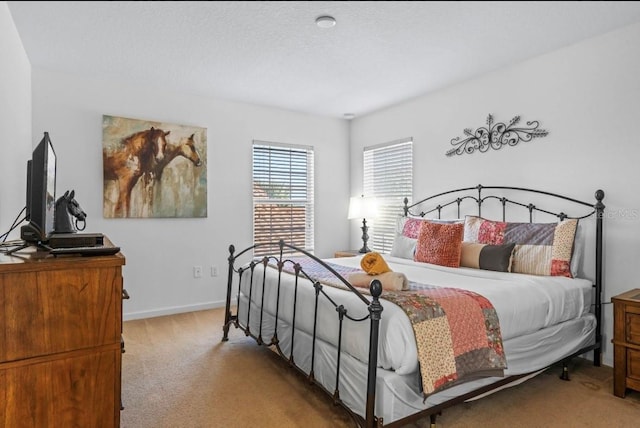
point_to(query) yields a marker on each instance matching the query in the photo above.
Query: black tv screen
(41, 193)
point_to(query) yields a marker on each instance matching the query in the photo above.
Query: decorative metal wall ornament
(495, 136)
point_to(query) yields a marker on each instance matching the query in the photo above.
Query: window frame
(269, 163)
(394, 164)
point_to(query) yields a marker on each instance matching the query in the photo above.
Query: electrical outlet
(197, 271)
(214, 270)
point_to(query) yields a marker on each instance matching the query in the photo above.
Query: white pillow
(403, 247)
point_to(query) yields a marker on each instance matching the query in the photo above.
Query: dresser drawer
(79, 391)
(633, 364)
(632, 332)
(58, 311)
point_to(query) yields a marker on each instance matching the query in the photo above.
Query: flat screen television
(41, 193)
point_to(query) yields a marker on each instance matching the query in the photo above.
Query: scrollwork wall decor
(495, 136)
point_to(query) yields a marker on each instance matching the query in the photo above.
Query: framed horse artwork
(153, 169)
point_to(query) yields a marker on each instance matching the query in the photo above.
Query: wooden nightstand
(626, 341)
(347, 253)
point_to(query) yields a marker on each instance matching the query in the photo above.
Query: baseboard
(129, 316)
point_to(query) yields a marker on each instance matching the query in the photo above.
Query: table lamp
(363, 207)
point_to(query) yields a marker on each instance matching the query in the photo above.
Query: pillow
(578, 253)
(403, 247)
(411, 227)
(541, 248)
(440, 243)
(407, 229)
(486, 256)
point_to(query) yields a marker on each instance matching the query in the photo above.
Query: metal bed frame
(372, 302)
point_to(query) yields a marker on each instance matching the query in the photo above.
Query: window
(282, 196)
(388, 175)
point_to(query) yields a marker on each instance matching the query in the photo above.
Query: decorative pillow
(440, 243)
(407, 230)
(411, 227)
(486, 256)
(541, 248)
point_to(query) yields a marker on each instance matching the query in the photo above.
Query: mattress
(525, 304)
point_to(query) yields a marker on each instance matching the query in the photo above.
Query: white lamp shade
(363, 207)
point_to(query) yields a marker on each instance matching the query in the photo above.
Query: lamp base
(365, 237)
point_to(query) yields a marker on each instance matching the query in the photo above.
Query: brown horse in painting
(139, 153)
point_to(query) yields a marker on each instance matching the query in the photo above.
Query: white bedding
(524, 304)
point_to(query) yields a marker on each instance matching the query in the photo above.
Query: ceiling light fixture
(349, 116)
(325, 21)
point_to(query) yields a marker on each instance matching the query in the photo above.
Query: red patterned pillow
(407, 230)
(411, 227)
(440, 243)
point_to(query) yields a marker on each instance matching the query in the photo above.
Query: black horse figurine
(66, 208)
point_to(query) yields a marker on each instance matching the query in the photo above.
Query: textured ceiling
(272, 53)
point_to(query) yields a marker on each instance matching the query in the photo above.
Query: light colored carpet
(178, 374)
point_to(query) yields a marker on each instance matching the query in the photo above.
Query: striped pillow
(541, 248)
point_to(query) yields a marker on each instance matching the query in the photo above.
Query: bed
(515, 297)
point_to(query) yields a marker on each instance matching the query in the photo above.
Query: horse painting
(139, 152)
(158, 172)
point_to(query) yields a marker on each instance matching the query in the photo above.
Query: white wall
(15, 122)
(160, 253)
(586, 95)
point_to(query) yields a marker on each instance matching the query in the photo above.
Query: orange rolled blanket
(373, 264)
(391, 281)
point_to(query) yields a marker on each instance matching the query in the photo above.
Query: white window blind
(282, 196)
(388, 175)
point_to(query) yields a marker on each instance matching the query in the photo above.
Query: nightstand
(626, 341)
(347, 253)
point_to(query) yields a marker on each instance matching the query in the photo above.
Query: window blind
(282, 196)
(388, 175)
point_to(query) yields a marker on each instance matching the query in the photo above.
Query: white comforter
(524, 304)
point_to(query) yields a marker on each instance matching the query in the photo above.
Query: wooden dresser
(626, 341)
(60, 340)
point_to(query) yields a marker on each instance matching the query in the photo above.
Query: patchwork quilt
(457, 331)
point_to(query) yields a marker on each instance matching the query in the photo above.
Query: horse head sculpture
(66, 209)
